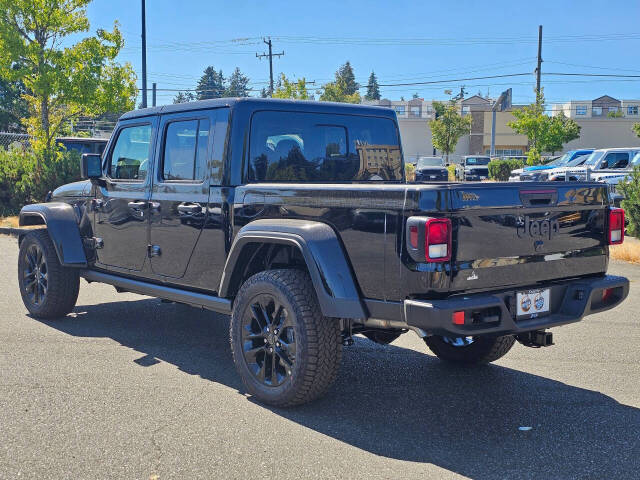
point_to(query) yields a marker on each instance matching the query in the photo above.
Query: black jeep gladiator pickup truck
(295, 219)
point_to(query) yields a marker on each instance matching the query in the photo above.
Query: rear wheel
(48, 289)
(285, 351)
(470, 350)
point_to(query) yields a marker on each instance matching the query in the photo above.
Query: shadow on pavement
(405, 405)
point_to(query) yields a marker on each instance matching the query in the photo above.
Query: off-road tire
(482, 350)
(318, 338)
(63, 283)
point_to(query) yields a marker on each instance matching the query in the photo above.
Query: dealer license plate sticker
(532, 303)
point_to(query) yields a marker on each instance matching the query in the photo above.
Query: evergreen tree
(264, 93)
(210, 85)
(238, 85)
(373, 89)
(184, 97)
(346, 75)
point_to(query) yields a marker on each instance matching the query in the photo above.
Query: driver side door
(121, 206)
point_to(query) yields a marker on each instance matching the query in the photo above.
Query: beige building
(598, 128)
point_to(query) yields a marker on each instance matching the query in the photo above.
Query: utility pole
(153, 94)
(144, 57)
(538, 71)
(270, 55)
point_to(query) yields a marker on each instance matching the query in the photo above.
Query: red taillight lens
(457, 318)
(616, 226)
(438, 240)
(413, 236)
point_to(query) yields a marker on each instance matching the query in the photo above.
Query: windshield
(477, 160)
(560, 161)
(635, 161)
(429, 162)
(594, 157)
(579, 160)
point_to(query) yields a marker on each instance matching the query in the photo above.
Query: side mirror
(91, 166)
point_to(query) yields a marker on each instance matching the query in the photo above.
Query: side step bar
(217, 304)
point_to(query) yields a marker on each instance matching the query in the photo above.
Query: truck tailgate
(508, 234)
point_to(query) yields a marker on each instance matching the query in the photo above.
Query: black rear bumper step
(570, 302)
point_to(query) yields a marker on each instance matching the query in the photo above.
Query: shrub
(630, 189)
(410, 172)
(533, 157)
(22, 181)
(500, 169)
(452, 172)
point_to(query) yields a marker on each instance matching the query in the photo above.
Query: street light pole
(144, 57)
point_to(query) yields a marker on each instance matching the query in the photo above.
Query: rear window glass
(310, 147)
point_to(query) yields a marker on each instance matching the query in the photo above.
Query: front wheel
(285, 351)
(470, 350)
(48, 289)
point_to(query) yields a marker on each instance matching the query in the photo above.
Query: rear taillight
(437, 240)
(429, 239)
(616, 226)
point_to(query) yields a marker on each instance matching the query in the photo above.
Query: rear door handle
(193, 208)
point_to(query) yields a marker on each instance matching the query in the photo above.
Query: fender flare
(62, 226)
(324, 256)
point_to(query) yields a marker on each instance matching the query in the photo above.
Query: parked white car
(604, 160)
(613, 179)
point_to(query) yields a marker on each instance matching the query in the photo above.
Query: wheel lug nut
(277, 344)
(275, 331)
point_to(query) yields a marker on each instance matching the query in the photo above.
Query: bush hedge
(500, 169)
(630, 189)
(452, 172)
(23, 180)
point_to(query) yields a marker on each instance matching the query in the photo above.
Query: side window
(621, 160)
(185, 150)
(219, 141)
(130, 156)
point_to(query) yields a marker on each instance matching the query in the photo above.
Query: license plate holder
(533, 303)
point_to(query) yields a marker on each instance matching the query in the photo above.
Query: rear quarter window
(311, 147)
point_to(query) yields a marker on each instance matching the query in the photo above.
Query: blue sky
(402, 41)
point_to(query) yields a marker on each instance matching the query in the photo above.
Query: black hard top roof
(264, 104)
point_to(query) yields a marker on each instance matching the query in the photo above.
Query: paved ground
(127, 387)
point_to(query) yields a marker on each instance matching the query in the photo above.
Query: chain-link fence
(7, 139)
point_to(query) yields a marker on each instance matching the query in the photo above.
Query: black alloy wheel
(268, 340)
(35, 276)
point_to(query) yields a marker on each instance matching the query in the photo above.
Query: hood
(75, 189)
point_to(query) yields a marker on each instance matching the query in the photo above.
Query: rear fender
(62, 226)
(323, 254)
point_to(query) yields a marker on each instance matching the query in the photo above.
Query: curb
(12, 231)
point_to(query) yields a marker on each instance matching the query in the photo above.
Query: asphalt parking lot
(129, 387)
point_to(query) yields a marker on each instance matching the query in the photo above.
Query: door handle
(137, 205)
(154, 206)
(194, 208)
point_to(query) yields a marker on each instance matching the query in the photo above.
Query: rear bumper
(494, 314)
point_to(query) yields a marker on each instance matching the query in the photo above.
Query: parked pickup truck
(295, 218)
(473, 167)
(430, 169)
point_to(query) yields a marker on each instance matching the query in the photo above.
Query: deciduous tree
(291, 89)
(62, 80)
(448, 127)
